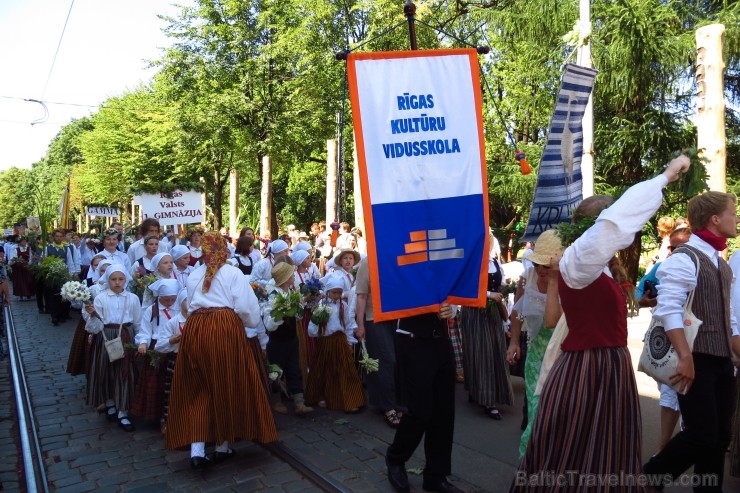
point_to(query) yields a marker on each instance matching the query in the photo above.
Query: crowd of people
(212, 345)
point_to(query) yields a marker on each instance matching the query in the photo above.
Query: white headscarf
(116, 268)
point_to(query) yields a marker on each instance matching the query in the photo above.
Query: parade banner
(175, 208)
(559, 181)
(102, 211)
(420, 149)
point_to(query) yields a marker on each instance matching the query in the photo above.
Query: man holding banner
(420, 149)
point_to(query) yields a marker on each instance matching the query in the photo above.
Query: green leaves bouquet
(287, 305)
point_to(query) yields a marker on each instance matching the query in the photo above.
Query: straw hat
(547, 245)
(346, 251)
(281, 272)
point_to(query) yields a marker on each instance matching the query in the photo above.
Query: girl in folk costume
(79, 351)
(214, 388)
(147, 403)
(22, 276)
(588, 421)
(195, 237)
(168, 343)
(303, 277)
(282, 347)
(484, 355)
(540, 309)
(143, 265)
(181, 258)
(312, 269)
(344, 261)
(333, 381)
(163, 268)
(114, 313)
(242, 260)
(92, 277)
(88, 249)
(262, 270)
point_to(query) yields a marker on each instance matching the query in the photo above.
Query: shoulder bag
(114, 347)
(659, 359)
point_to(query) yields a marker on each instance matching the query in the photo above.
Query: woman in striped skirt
(216, 388)
(484, 347)
(588, 425)
(115, 312)
(333, 381)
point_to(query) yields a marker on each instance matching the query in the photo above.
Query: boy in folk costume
(214, 388)
(114, 313)
(282, 348)
(168, 343)
(261, 272)
(147, 403)
(333, 381)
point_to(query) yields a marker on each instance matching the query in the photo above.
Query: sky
(103, 52)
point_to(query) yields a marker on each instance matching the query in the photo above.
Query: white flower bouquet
(75, 291)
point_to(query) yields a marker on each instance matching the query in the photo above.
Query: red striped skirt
(588, 426)
(333, 377)
(148, 401)
(79, 351)
(217, 391)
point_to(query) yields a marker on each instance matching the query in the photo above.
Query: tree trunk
(233, 203)
(266, 198)
(218, 195)
(331, 181)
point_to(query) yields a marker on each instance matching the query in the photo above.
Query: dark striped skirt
(79, 351)
(169, 372)
(217, 392)
(333, 377)
(259, 360)
(484, 356)
(149, 391)
(588, 426)
(106, 380)
(306, 344)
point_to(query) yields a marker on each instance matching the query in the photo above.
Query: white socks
(223, 448)
(198, 449)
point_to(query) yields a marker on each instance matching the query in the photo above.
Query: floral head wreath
(110, 232)
(195, 229)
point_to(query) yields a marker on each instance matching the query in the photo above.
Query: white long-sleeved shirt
(334, 324)
(677, 276)
(171, 328)
(182, 275)
(73, 259)
(138, 250)
(270, 323)
(262, 271)
(152, 329)
(112, 308)
(229, 288)
(585, 260)
(117, 257)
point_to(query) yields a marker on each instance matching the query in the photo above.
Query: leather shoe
(397, 476)
(200, 462)
(219, 457)
(442, 487)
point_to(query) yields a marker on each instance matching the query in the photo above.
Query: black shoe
(397, 476)
(200, 462)
(219, 457)
(493, 413)
(111, 414)
(442, 487)
(127, 426)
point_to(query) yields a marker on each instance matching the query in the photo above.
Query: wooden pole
(359, 213)
(710, 118)
(587, 156)
(266, 197)
(233, 203)
(331, 181)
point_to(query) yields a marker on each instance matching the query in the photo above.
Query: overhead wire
(56, 53)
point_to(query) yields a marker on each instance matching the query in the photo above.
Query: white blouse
(112, 308)
(170, 328)
(152, 329)
(229, 288)
(334, 324)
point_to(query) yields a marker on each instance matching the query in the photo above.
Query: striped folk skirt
(106, 380)
(333, 377)
(79, 351)
(217, 392)
(306, 344)
(588, 427)
(484, 356)
(259, 360)
(149, 391)
(169, 372)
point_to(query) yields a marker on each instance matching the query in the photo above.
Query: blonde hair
(702, 207)
(666, 225)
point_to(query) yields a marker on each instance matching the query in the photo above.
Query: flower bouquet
(366, 362)
(140, 284)
(55, 272)
(76, 292)
(274, 372)
(259, 291)
(155, 357)
(287, 305)
(311, 290)
(320, 317)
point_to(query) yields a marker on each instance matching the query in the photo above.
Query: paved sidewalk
(86, 453)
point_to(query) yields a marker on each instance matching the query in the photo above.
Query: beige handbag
(114, 347)
(659, 359)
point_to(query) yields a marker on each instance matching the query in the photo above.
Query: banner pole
(410, 11)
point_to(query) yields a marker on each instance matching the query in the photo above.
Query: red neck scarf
(719, 243)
